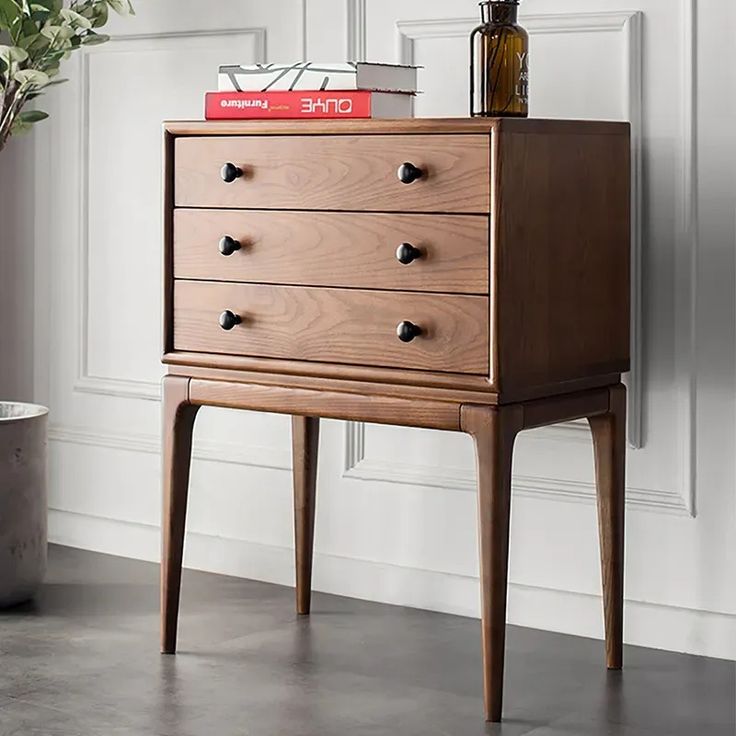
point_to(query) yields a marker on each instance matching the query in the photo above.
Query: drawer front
(334, 325)
(335, 173)
(334, 249)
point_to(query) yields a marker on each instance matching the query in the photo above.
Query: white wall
(396, 512)
(16, 271)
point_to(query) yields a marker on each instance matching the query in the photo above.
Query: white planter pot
(23, 512)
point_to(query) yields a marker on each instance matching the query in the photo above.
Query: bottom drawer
(333, 325)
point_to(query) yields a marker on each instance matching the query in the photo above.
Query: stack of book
(312, 90)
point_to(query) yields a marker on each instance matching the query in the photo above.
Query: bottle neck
(499, 12)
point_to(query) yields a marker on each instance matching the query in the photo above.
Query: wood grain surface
(177, 425)
(426, 126)
(561, 257)
(327, 404)
(335, 173)
(299, 380)
(565, 408)
(368, 378)
(464, 388)
(334, 249)
(167, 221)
(609, 443)
(522, 299)
(305, 451)
(334, 325)
(494, 431)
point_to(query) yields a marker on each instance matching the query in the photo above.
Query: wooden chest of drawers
(470, 275)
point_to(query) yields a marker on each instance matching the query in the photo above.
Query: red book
(309, 105)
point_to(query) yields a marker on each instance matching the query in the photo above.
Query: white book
(391, 105)
(312, 76)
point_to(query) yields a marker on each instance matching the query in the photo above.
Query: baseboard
(652, 625)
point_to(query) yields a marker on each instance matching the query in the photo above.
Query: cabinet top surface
(412, 125)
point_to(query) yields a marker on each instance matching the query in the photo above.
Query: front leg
(305, 444)
(177, 428)
(494, 430)
(609, 443)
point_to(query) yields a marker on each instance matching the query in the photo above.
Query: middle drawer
(443, 253)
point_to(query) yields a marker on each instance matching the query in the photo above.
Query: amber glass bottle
(499, 62)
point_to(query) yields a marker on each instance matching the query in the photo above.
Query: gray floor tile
(83, 659)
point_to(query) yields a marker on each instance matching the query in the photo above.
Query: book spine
(287, 105)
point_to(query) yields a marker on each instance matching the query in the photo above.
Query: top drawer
(335, 173)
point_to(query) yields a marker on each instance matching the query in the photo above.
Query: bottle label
(522, 85)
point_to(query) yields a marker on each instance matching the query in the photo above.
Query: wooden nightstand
(468, 275)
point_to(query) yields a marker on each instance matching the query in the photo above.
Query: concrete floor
(83, 661)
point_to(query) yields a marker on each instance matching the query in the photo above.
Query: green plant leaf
(34, 42)
(13, 53)
(28, 28)
(34, 95)
(121, 7)
(48, 5)
(31, 78)
(39, 14)
(24, 120)
(19, 127)
(51, 31)
(36, 36)
(100, 15)
(76, 20)
(32, 116)
(10, 11)
(92, 39)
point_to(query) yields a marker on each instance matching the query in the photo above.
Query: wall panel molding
(357, 31)
(686, 259)
(408, 32)
(629, 24)
(360, 466)
(85, 382)
(232, 453)
(304, 30)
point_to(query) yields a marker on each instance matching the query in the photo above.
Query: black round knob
(229, 319)
(409, 173)
(230, 172)
(406, 253)
(228, 245)
(407, 331)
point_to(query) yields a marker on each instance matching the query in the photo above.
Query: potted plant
(35, 37)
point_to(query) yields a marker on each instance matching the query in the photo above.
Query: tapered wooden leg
(494, 431)
(305, 444)
(609, 443)
(177, 426)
